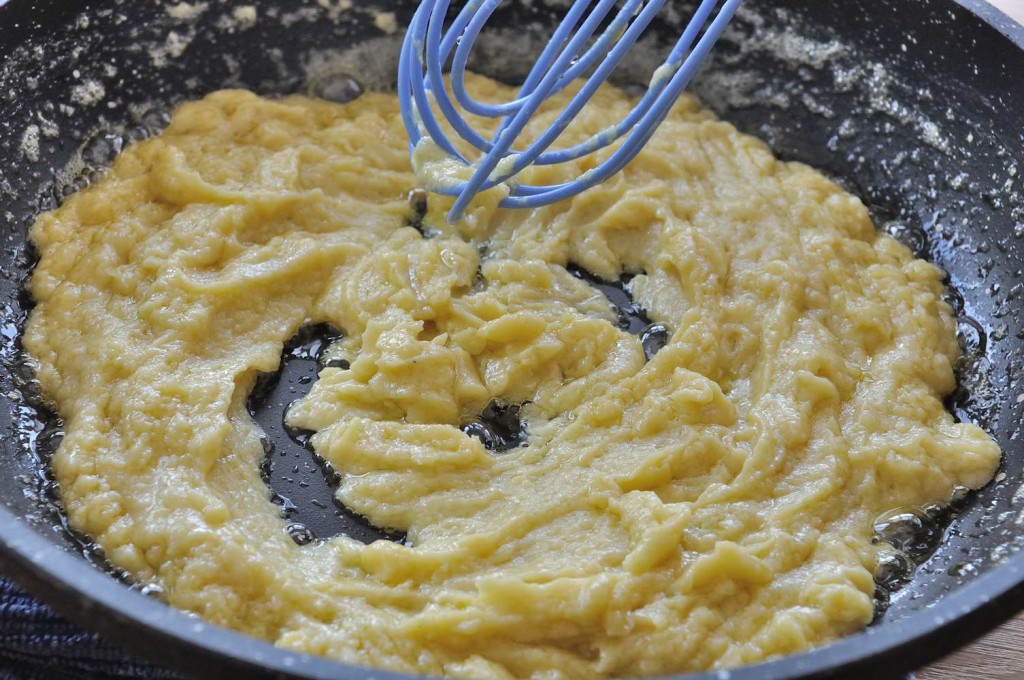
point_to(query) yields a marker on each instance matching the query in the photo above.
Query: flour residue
(386, 22)
(185, 11)
(173, 47)
(245, 17)
(88, 93)
(30, 143)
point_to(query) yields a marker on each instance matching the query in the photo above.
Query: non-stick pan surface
(914, 105)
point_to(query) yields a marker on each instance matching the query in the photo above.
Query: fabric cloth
(37, 644)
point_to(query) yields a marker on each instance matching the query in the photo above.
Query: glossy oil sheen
(955, 202)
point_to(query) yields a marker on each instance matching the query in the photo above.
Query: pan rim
(96, 601)
(996, 18)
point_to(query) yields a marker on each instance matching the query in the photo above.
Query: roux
(707, 508)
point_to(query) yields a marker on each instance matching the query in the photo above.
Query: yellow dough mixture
(708, 508)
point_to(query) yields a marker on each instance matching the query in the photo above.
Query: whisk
(428, 47)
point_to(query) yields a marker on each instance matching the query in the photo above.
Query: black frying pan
(915, 105)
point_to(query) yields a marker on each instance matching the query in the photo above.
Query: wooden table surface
(1015, 8)
(1000, 654)
(997, 656)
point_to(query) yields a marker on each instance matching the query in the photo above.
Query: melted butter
(710, 507)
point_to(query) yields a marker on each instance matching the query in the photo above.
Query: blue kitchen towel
(37, 644)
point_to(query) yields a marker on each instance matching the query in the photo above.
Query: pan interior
(929, 141)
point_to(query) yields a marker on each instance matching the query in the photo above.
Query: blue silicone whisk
(428, 47)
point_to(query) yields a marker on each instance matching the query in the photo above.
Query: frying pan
(914, 105)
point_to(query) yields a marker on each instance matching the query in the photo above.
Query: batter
(709, 508)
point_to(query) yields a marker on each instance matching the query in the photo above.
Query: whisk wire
(551, 50)
(418, 109)
(642, 132)
(512, 126)
(427, 48)
(536, 153)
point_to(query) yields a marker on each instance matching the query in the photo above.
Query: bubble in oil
(152, 590)
(961, 569)
(952, 297)
(894, 570)
(499, 427)
(74, 186)
(910, 531)
(155, 120)
(881, 602)
(312, 340)
(912, 237)
(133, 134)
(959, 495)
(24, 378)
(101, 150)
(971, 336)
(286, 504)
(47, 200)
(339, 88)
(653, 338)
(300, 533)
(482, 431)
(49, 439)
